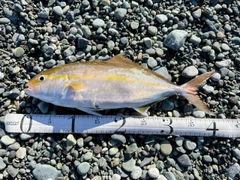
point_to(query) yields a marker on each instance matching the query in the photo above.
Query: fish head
(45, 86)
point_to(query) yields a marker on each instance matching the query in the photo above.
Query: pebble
(161, 18)
(2, 164)
(148, 42)
(12, 171)
(236, 153)
(164, 72)
(136, 172)
(184, 160)
(152, 30)
(21, 153)
(190, 72)
(153, 173)
(169, 176)
(167, 105)
(97, 23)
(195, 40)
(70, 142)
(7, 140)
(129, 165)
(25, 137)
(233, 171)
(119, 138)
(197, 14)
(189, 145)
(166, 148)
(175, 39)
(207, 158)
(134, 25)
(83, 168)
(120, 13)
(4, 20)
(44, 171)
(58, 10)
(113, 151)
(43, 107)
(18, 52)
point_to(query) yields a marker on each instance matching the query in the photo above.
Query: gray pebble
(198, 114)
(136, 172)
(118, 137)
(166, 148)
(207, 158)
(134, 25)
(50, 63)
(86, 31)
(120, 13)
(148, 42)
(206, 49)
(216, 77)
(146, 161)
(7, 140)
(233, 171)
(208, 89)
(169, 176)
(12, 171)
(98, 23)
(175, 39)
(152, 30)
(195, 39)
(129, 165)
(18, 52)
(161, 18)
(58, 10)
(225, 47)
(21, 153)
(153, 173)
(236, 153)
(150, 51)
(4, 20)
(2, 164)
(17, 7)
(184, 160)
(179, 140)
(25, 137)
(113, 151)
(151, 62)
(116, 177)
(190, 72)
(82, 42)
(197, 14)
(235, 40)
(70, 142)
(83, 168)
(33, 41)
(43, 172)
(189, 145)
(164, 72)
(44, 13)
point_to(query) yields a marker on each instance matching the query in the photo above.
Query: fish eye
(41, 78)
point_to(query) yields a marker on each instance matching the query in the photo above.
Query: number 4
(213, 124)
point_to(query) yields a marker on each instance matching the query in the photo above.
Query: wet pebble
(190, 72)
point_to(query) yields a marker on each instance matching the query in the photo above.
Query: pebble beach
(177, 39)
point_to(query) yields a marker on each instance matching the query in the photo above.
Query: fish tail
(190, 92)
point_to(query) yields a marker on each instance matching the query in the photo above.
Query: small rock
(233, 171)
(82, 42)
(118, 137)
(129, 165)
(161, 18)
(113, 151)
(153, 173)
(83, 168)
(164, 72)
(189, 145)
(12, 171)
(120, 13)
(21, 153)
(58, 10)
(18, 52)
(236, 153)
(2, 164)
(169, 176)
(98, 23)
(175, 39)
(25, 137)
(148, 42)
(44, 13)
(195, 40)
(70, 142)
(151, 62)
(166, 148)
(43, 172)
(43, 107)
(184, 160)
(4, 20)
(197, 14)
(136, 172)
(207, 158)
(7, 140)
(190, 72)
(152, 30)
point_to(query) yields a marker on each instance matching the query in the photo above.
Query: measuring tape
(188, 126)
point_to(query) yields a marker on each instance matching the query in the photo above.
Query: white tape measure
(189, 126)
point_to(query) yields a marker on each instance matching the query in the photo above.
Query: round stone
(136, 173)
(152, 30)
(58, 10)
(83, 168)
(98, 23)
(7, 140)
(161, 18)
(18, 52)
(190, 72)
(153, 173)
(166, 148)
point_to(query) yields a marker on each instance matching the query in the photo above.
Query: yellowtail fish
(112, 84)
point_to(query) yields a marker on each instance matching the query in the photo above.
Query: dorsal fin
(120, 59)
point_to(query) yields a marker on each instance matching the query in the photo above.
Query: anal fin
(143, 110)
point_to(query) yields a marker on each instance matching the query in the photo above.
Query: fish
(98, 85)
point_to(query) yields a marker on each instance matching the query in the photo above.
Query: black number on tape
(214, 129)
(29, 124)
(169, 125)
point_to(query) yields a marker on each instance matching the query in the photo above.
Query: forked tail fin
(190, 92)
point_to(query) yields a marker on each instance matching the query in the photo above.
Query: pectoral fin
(143, 110)
(76, 86)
